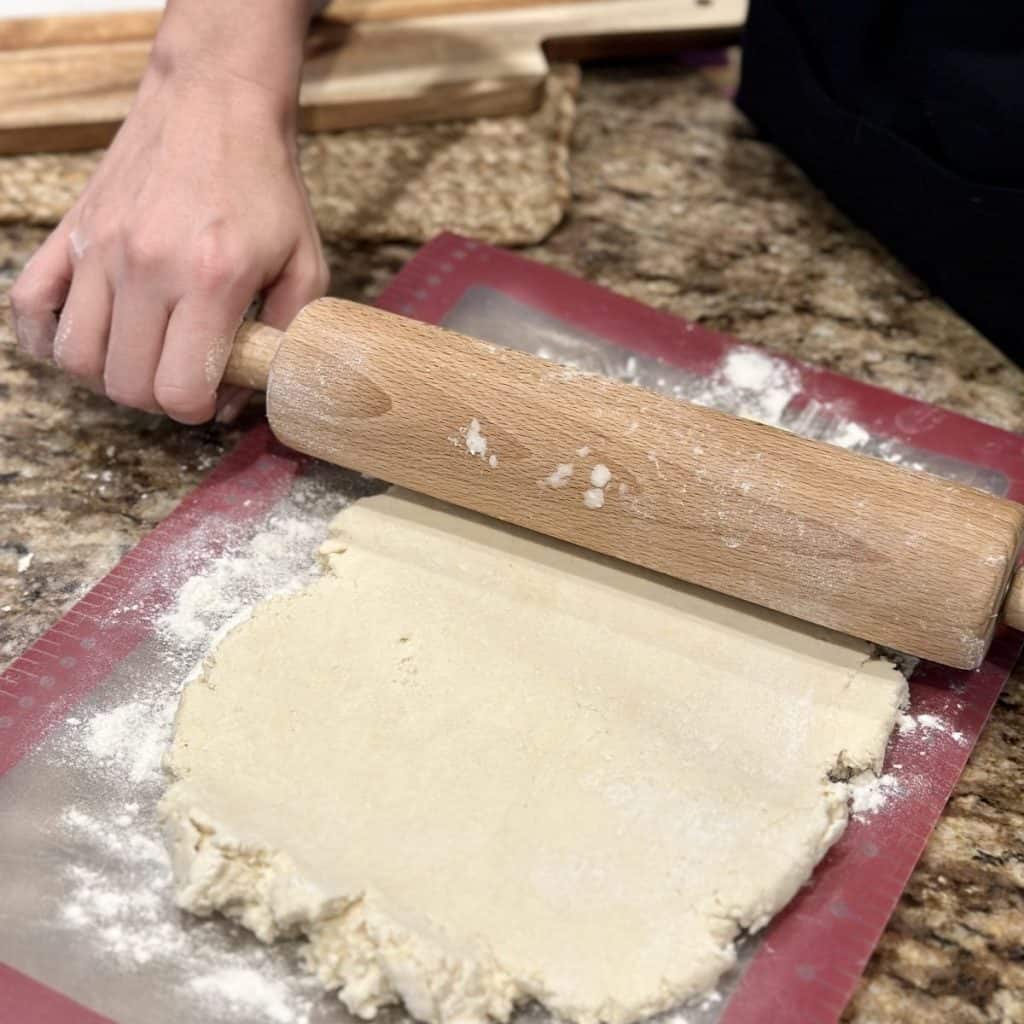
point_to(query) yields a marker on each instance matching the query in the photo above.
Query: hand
(197, 208)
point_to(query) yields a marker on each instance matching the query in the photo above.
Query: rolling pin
(899, 558)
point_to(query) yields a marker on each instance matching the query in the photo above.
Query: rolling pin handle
(252, 352)
(1013, 606)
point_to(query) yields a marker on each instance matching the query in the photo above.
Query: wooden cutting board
(67, 82)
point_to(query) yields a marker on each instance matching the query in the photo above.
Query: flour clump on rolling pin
(475, 441)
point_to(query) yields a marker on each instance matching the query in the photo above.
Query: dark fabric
(910, 117)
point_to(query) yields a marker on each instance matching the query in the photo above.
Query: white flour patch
(245, 991)
(758, 384)
(906, 724)
(115, 884)
(131, 738)
(231, 582)
(869, 793)
(475, 442)
(850, 435)
(560, 475)
(593, 497)
(924, 724)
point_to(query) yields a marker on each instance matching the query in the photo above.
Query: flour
(929, 724)
(117, 898)
(600, 475)
(757, 385)
(593, 497)
(235, 580)
(906, 724)
(850, 435)
(244, 990)
(476, 443)
(750, 383)
(560, 476)
(130, 740)
(869, 793)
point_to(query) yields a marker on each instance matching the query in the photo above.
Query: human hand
(197, 208)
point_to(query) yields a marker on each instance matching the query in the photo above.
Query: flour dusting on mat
(925, 724)
(869, 793)
(117, 884)
(244, 990)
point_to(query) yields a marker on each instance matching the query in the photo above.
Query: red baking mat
(806, 963)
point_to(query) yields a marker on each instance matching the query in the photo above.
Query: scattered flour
(869, 793)
(929, 723)
(476, 443)
(117, 892)
(236, 580)
(560, 476)
(130, 739)
(906, 724)
(600, 475)
(850, 435)
(245, 991)
(593, 497)
(758, 385)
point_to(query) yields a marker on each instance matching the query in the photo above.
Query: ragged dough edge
(376, 954)
(354, 943)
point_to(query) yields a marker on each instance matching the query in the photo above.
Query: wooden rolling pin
(896, 557)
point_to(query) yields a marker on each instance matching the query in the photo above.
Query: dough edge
(375, 955)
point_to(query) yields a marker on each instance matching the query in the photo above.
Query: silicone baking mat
(801, 968)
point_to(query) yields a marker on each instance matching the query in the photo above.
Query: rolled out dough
(473, 767)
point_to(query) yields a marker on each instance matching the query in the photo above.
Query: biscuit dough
(472, 767)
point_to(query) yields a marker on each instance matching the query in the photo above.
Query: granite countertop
(678, 205)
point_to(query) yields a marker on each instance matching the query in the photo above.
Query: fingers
(198, 341)
(304, 278)
(137, 330)
(39, 293)
(80, 344)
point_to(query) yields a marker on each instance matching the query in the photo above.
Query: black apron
(910, 117)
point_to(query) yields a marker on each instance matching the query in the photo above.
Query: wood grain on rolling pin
(899, 558)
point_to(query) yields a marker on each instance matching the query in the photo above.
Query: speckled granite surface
(679, 206)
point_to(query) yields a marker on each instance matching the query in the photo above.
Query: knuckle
(143, 250)
(25, 297)
(187, 405)
(217, 260)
